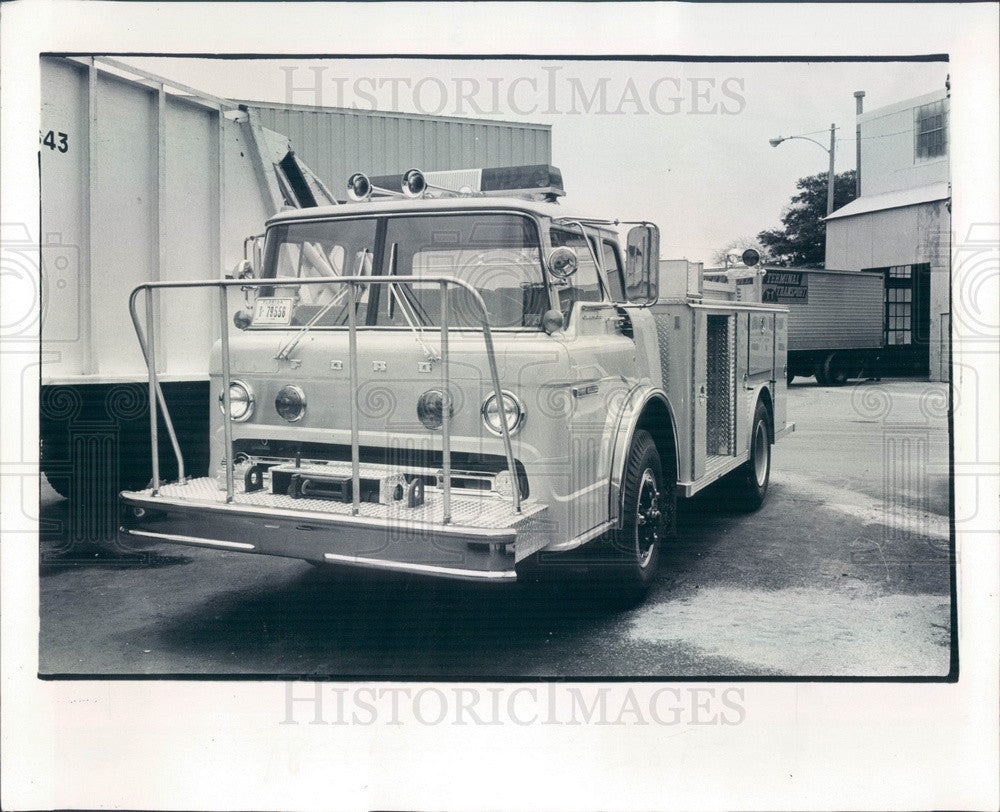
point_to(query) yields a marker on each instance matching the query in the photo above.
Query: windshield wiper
(293, 342)
(406, 307)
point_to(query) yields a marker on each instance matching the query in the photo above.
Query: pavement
(843, 572)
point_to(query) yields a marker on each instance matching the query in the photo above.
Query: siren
(359, 188)
(414, 183)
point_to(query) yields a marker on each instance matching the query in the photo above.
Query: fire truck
(451, 374)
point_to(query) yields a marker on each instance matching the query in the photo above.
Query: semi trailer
(836, 321)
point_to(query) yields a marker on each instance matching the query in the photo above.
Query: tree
(802, 240)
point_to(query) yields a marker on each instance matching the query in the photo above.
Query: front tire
(649, 511)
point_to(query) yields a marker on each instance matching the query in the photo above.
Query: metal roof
(893, 200)
(366, 113)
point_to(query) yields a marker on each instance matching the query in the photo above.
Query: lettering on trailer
(785, 287)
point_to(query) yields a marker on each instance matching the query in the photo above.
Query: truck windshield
(498, 254)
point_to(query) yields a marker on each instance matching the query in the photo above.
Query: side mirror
(562, 263)
(642, 265)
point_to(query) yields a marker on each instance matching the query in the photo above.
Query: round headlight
(290, 403)
(430, 409)
(513, 413)
(240, 401)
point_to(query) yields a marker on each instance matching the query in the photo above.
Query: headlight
(290, 403)
(240, 401)
(513, 412)
(430, 409)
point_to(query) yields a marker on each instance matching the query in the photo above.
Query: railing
(157, 402)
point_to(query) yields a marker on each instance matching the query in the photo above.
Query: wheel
(649, 516)
(835, 370)
(819, 370)
(754, 475)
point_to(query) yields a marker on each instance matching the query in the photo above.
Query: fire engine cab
(452, 374)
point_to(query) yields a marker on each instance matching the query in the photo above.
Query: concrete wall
(904, 236)
(888, 149)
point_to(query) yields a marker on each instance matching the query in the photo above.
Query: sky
(684, 144)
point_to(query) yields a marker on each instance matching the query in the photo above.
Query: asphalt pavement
(845, 571)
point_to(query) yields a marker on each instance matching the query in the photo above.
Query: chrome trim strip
(580, 540)
(425, 569)
(235, 545)
(788, 429)
(712, 474)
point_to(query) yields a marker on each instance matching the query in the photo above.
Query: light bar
(535, 182)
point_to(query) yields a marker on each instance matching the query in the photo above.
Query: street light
(833, 147)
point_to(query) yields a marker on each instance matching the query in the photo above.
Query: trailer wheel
(836, 370)
(752, 478)
(634, 554)
(819, 370)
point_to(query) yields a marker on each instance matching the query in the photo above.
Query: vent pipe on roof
(859, 96)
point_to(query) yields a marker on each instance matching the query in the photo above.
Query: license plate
(272, 311)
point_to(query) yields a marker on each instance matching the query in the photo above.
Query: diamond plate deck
(485, 511)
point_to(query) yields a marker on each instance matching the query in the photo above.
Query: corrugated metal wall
(844, 311)
(336, 142)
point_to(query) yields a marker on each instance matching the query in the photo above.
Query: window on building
(899, 327)
(899, 302)
(930, 130)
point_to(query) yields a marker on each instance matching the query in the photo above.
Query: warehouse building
(899, 227)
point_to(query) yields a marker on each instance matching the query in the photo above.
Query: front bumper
(483, 541)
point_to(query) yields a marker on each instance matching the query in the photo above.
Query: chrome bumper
(482, 542)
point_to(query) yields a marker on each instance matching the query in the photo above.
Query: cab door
(603, 368)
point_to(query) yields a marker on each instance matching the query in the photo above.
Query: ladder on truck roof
(292, 183)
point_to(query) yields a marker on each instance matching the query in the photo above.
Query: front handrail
(157, 401)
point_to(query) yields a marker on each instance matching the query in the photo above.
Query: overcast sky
(682, 144)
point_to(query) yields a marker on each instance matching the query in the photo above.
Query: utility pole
(831, 152)
(830, 177)
(859, 105)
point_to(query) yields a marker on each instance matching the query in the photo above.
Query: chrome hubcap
(760, 454)
(647, 518)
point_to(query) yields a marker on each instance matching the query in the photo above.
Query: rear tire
(752, 478)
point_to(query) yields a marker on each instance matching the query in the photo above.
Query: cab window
(613, 271)
(585, 284)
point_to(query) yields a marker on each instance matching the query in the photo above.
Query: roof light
(533, 181)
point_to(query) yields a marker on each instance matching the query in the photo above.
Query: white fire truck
(458, 377)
